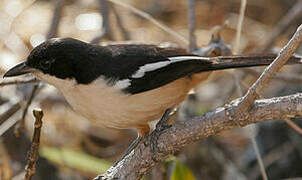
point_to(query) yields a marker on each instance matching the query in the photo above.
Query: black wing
(148, 67)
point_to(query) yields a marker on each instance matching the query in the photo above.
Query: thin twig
(10, 122)
(239, 27)
(151, 19)
(192, 25)
(294, 13)
(34, 149)
(14, 82)
(120, 24)
(105, 31)
(9, 111)
(293, 125)
(58, 6)
(20, 125)
(274, 155)
(259, 158)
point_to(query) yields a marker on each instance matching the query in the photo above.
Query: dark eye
(46, 64)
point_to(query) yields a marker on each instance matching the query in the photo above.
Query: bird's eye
(46, 64)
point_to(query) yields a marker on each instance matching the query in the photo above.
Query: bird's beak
(19, 69)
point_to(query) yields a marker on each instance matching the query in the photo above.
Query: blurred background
(72, 148)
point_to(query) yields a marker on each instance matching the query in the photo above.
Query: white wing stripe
(184, 58)
(149, 67)
(122, 84)
(153, 66)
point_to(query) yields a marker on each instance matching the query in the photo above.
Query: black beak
(19, 69)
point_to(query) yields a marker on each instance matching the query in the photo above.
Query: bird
(125, 86)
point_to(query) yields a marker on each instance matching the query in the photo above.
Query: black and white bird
(124, 86)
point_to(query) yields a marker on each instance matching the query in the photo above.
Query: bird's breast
(108, 106)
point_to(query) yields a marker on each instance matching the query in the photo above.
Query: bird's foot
(160, 127)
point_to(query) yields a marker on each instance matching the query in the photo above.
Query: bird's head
(56, 58)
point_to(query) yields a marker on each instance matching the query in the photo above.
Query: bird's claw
(160, 127)
(155, 135)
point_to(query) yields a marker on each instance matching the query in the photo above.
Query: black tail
(220, 63)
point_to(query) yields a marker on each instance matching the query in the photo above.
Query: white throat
(60, 84)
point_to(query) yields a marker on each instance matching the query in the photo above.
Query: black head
(59, 57)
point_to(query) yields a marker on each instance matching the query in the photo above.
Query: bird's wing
(146, 67)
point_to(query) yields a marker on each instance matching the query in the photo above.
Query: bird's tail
(229, 62)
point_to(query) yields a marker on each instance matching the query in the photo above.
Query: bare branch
(135, 165)
(34, 149)
(52, 32)
(20, 125)
(192, 25)
(105, 31)
(120, 24)
(239, 27)
(276, 154)
(9, 123)
(151, 19)
(9, 112)
(293, 125)
(15, 82)
(259, 158)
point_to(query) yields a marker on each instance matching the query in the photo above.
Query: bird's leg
(160, 126)
(162, 123)
(142, 132)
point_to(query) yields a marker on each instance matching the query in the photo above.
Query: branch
(11, 110)
(34, 149)
(14, 82)
(120, 24)
(105, 31)
(52, 32)
(239, 27)
(34, 92)
(293, 125)
(192, 25)
(135, 165)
